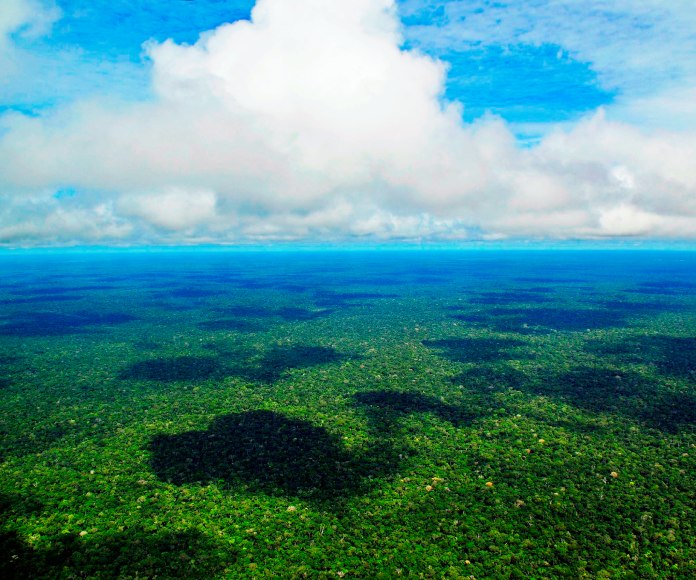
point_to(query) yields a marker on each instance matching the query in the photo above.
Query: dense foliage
(444, 415)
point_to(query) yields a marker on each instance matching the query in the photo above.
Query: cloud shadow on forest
(672, 356)
(35, 324)
(269, 452)
(545, 320)
(478, 350)
(384, 408)
(132, 554)
(268, 367)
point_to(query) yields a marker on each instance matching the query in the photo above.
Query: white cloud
(628, 42)
(256, 136)
(24, 18)
(669, 108)
(28, 18)
(34, 72)
(627, 220)
(39, 219)
(173, 209)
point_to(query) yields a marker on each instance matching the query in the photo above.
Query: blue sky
(371, 121)
(97, 47)
(118, 28)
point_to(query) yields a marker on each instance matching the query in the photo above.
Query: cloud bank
(311, 122)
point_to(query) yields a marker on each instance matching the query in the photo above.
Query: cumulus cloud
(41, 219)
(173, 209)
(310, 121)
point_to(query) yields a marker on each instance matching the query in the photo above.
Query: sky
(184, 122)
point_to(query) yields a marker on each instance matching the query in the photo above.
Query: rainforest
(359, 414)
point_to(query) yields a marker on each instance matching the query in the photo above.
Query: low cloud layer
(311, 122)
